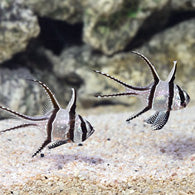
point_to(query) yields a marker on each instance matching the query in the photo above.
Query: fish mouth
(91, 129)
(184, 105)
(91, 132)
(188, 98)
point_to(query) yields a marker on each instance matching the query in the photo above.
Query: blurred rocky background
(60, 42)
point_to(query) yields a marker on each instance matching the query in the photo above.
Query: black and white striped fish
(62, 125)
(161, 96)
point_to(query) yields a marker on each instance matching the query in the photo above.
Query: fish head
(186, 99)
(82, 129)
(181, 98)
(90, 129)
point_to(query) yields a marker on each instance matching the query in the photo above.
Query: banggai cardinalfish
(62, 125)
(161, 96)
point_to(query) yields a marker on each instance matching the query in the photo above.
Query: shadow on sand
(179, 148)
(60, 160)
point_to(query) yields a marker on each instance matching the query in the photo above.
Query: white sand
(133, 154)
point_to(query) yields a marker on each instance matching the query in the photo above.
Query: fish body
(62, 125)
(161, 96)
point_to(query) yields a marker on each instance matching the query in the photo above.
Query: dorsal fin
(72, 104)
(154, 73)
(48, 91)
(171, 76)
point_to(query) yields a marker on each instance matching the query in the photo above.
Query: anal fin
(151, 119)
(161, 120)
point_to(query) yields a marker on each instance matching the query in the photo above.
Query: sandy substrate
(118, 158)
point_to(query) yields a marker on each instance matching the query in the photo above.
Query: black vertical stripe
(150, 102)
(72, 114)
(50, 122)
(84, 129)
(71, 130)
(171, 88)
(173, 76)
(49, 131)
(171, 95)
(151, 96)
(181, 95)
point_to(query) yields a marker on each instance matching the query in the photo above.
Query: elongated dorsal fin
(171, 76)
(48, 91)
(72, 104)
(154, 73)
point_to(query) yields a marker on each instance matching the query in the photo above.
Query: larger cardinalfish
(62, 125)
(161, 96)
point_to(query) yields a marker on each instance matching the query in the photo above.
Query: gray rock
(76, 66)
(110, 25)
(67, 10)
(183, 5)
(20, 95)
(17, 26)
(41, 62)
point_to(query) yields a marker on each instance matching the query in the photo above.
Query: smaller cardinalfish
(62, 125)
(161, 96)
